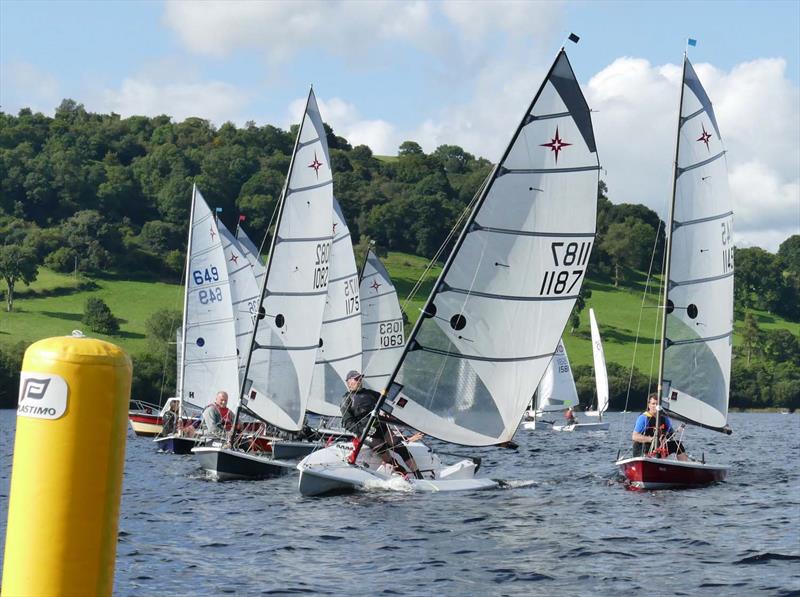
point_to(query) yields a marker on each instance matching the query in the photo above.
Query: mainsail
(340, 338)
(252, 255)
(208, 349)
(245, 293)
(698, 328)
(557, 389)
(600, 372)
(381, 323)
(494, 317)
(285, 342)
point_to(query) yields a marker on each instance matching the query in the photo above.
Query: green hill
(53, 305)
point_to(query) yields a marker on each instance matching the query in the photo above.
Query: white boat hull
(602, 426)
(327, 472)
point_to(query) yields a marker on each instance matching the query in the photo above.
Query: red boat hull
(661, 473)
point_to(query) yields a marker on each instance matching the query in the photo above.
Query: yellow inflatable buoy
(66, 480)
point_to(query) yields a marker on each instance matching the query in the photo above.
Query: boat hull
(326, 472)
(601, 426)
(145, 425)
(291, 450)
(176, 445)
(661, 473)
(224, 464)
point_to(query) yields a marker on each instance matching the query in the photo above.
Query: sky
(446, 72)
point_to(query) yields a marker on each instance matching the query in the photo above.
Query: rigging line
(638, 329)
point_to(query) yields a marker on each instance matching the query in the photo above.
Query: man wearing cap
(356, 407)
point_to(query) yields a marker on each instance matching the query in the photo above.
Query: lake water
(574, 530)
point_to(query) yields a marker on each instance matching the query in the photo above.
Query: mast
(261, 315)
(364, 264)
(668, 249)
(461, 238)
(186, 300)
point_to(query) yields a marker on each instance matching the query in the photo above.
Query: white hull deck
(326, 472)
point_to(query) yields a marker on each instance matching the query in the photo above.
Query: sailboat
(207, 353)
(381, 323)
(556, 391)
(600, 371)
(340, 342)
(286, 334)
(697, 327)
(601, 384)
(494, 316)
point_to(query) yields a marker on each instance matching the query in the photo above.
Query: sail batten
(496, 314)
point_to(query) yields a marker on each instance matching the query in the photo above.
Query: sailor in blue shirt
(645, 428)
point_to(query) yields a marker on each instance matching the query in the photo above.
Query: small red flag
(242, 218)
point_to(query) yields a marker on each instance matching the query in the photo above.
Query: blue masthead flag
(218, 209)
(691, 42)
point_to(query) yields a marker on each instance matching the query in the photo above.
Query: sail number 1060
(562, 281)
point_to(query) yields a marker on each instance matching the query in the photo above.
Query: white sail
(245, 294)
(285, 341)
(340, 349)
(209, 362)
(251, 252)
(600, 372)
(381, 324)
(506, 292)
(699, 321)
(557, 389)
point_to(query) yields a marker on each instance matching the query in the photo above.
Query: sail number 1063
(565, 255)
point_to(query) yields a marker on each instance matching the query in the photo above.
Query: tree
(580, 303)
(97, 315)
(409, 148)
(782, 346)
(17, 264)
(751, 335)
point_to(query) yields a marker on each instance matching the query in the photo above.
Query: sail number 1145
(565, 256)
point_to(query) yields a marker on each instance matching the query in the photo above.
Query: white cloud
(212, 100)
(344, 118)
(636, 107)
(25, 85)
(282, 29)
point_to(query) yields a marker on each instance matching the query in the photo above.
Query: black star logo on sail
(234, 258)
(375, 285)
(334, 228)
(213, 234)
(556, 144)
(316, 164)
(705, 137)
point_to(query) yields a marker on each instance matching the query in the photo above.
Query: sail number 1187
(564, 278)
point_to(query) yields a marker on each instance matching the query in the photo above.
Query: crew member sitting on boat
(644, 431)
(356, 407)
(217, 416)
(569, 415)
(170, 419)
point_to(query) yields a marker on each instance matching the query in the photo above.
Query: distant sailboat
(494, 316)
(286, 335)
(697, 327)
(556, 391)
(600, 371)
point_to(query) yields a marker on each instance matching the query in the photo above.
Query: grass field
(54, 304)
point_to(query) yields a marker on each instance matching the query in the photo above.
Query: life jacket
(651, 424)
(225, 413)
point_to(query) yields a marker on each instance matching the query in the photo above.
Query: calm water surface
(573, 530)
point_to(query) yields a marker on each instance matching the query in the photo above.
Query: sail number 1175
(563, 279)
